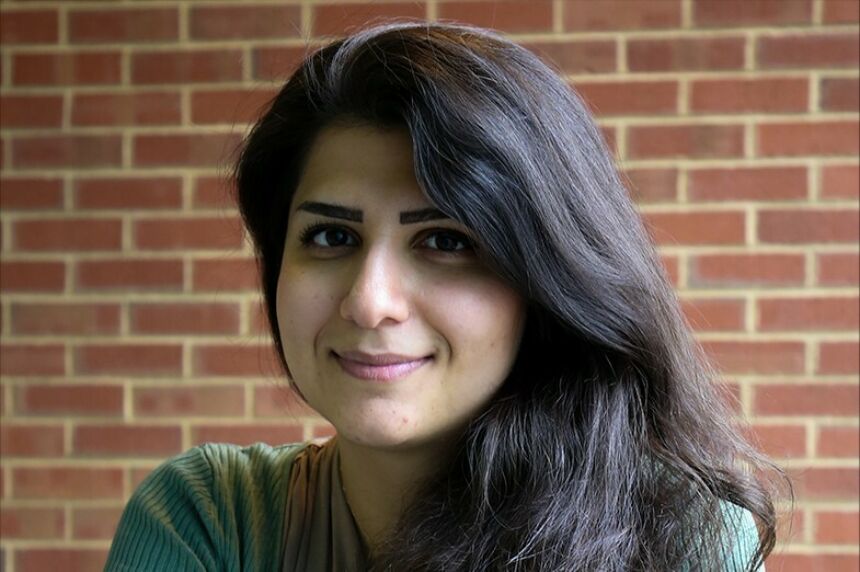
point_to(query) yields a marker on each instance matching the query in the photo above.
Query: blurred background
(130, 318)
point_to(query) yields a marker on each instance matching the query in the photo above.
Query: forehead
(363, 165)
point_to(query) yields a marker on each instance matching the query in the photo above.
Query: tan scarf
(320, 531)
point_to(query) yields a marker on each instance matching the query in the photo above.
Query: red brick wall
(130, 321)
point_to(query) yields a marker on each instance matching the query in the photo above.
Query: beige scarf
(320, 531)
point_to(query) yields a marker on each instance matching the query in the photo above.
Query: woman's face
(362, 277)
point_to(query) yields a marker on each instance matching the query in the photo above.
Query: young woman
(457, 280)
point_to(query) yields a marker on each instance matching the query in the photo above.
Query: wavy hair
(608, 446)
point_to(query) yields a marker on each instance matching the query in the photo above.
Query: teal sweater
(220, 507)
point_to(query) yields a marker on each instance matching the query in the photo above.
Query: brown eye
(448, 242)
(326, 236)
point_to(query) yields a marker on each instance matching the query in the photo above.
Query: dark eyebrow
(355, 215)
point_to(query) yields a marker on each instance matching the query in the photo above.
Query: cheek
(482, 321)
(302, 307)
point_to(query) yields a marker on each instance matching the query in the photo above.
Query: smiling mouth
(384, 372)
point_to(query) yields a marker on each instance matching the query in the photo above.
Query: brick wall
(130, 316)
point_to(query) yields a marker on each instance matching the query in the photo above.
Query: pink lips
(380, 367)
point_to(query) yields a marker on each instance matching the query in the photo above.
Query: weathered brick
(19, 27)
(799, 226)
(630, 97)
(127, 26)
(838, 358)
(69, 400)
(840, 182)
(696, 227)
(31, 523)
(177, 150)
(795, 399)
(577, 56)
(32, 276)
(506, 15)
(246, 21)
(808, 314)
(809, 139)
(66, 68)
(801, 51)
(714, 315)
(225, 275)
(271, 433)
(838, 269)
(756, 95)
(184, 318)
(128, 359)
(27, 193)
(747, 184)
(127, 440)
(745, 270)
(128, 193)
(685, 54)
(757, 357)
(67, 483)
(67, 151)
(31, 111)
(65, 319)
(32, 360)
(694, 141)
(652, 185)
(182, 67)
(719, 13)
(235, 360)
(621, 15)
(338, 19)
(68, 235)
(129, 274)
(180, 234)
(31, 440)
(149, 108)
(196, 400)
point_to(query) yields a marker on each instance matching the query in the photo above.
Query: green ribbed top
(220, 507)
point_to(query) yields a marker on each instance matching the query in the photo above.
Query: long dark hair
(608, 446)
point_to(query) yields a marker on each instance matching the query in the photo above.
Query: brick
(67, 68)
(746, 270)
(68, 235)
(123, 26)
(782, 441)
(280, 402)
(35, 559)
(271, 433)
(338, 19)
(807, 399)
(244, 22)
(184, 318)
(840, 94)
(32, 277)
(757, 357)
(841, 11)
(31, 111)
(26, 523)
(832, 527)
(652, 185)
(67, 151)
(808, 51)
(29, 27)
(236, 106)
(66, 483)
(805, 139)
(30, 193)
(213, 193)
(235, 360)
(838, 358)
(630, 97)
(838, 269)
(834, 483)
(719, 13)
(128, 359)
(276, 63)
(696, 227)
(129, 274)
(197, 401)
(577, 56)
(714, 315)
(758, 95)
(31, 440)
(225, 275)
(694, 141)
(184, 67)
(506, 15)
(671, 265)
(809, 314)
(128, 193)
(147, 108)
(838, 442)
(180, 234)
(65, 319)
(124, 440)
(685, 54)
(807, 226)
(747, 184)
(198, 150)
(621, 15)
(34, 400)
(787, 562)
(95, 523)
(26, 360)
(839, 182)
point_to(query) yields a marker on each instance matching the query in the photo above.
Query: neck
(379, 484)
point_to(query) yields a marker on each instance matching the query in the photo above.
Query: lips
(379, 367)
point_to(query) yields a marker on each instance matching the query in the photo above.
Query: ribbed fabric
(223, 508)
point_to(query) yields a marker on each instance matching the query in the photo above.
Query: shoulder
(741, 537)
(205, 509)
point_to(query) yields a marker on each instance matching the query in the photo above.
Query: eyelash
(309, 232)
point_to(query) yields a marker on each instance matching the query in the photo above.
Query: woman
(456, 279)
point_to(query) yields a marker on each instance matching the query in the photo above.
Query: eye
(326, 236)
(448, 242)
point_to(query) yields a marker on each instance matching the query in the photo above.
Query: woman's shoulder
(208, 505)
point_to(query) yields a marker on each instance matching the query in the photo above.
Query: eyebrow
(356, 215)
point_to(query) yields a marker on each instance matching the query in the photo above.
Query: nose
(377, 291)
